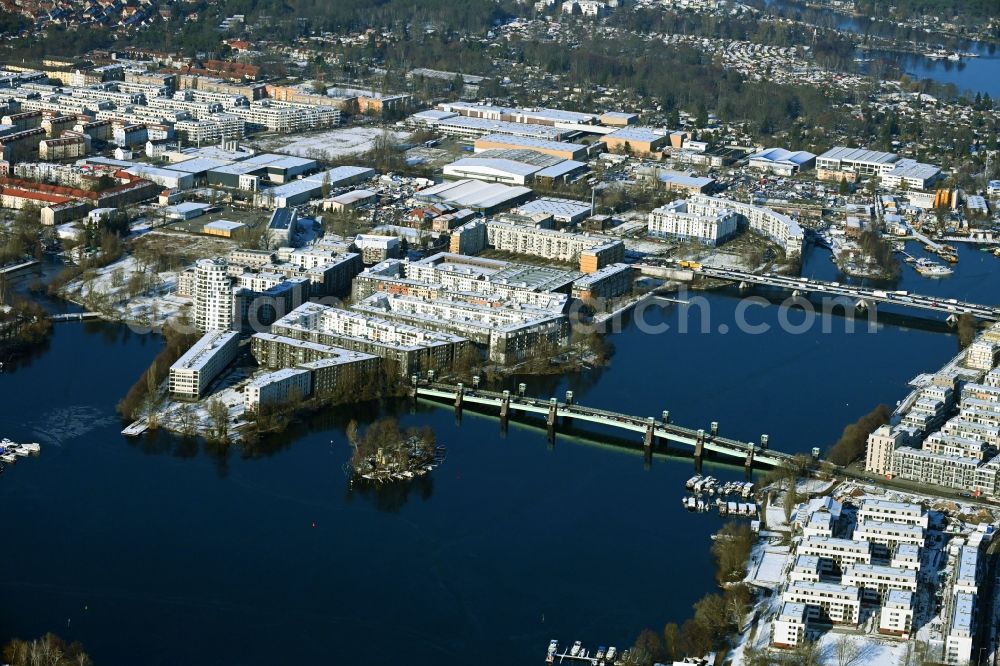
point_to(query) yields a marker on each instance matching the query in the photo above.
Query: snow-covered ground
(109, 288)
(768, 565)
(177, 416)
(329, 144)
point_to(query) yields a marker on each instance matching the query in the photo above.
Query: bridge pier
(764, 441)
(553, 414)
(744, 286)
(650, 438)
(665, 415)
(414, 390)
(748, 463)
(952, 321)
(714, 428)
(459, 394)
(861, 305)
(504, 409)
(552, 417)
(699, 446)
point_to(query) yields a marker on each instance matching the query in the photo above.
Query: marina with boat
(10, 451)
(709, 493)
(602, 656)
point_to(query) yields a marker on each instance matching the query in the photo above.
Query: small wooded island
(384, 452)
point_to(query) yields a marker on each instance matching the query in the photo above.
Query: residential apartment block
(191, 374)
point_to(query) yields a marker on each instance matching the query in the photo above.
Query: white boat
(553, 646)
(575, 650)
(692, 481)
(19, 451)
(611, 653)
(600, 653)
(929, 268)
(8, 457)
(32, 447)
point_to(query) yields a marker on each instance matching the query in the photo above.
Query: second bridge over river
(507, 403)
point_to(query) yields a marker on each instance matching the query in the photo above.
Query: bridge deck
(666, 431)
(904, 299)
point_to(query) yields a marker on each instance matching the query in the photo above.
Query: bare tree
(807, 654)
(218, 415)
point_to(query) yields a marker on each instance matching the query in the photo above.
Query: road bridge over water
(652, 430)
(862, 296)
(75, 316)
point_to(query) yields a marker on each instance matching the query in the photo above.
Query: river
(159, 551)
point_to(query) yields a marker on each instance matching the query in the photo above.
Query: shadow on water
(390, 497)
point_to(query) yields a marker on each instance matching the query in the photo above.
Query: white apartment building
(277, 387)
(278, 116)
(887, 536)
(411, 347)
(907, 556)
(551, 244)
(881, 444)
(254, 259)
(981, 432)
(839, 604)
(934, 468)
(191, 374)
(213, 295)
(686, 221)
(958, 644)
(901, 513)
(532, 286)
(967, 570)
(806, 569)
(986, 412)
(781, 229)
(981, 355)
(988, 478)
(958, 446)
(819, 524)
(876, 580)
(508, 334)
(896, 616)
(788, 630)
(211, 129)
(836, 554)
(981, 391)
(375, 249)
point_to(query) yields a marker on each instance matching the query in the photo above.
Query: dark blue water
(976, 75)
(163, 552)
